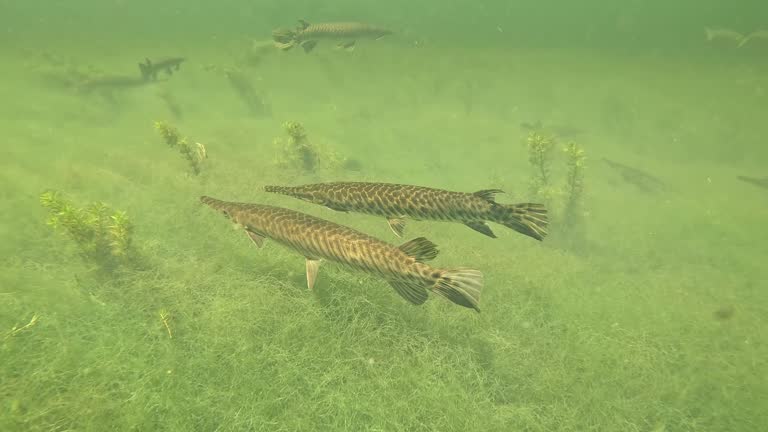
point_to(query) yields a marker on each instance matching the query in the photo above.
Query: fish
(759, 182)
(722, 33)
(307, 35)
(641, 179)
(405, 267)
(759, 34)
(110, 83)
(150, 68)
(396, 202)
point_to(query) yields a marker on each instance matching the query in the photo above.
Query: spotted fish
(396, 202)
(404, 267)
(307, 35)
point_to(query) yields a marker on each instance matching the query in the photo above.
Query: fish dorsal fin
(488, 194)
(420, 248)
(313, 266)
(481, 227)
(397, 225)
(257, 239)
(414, 292)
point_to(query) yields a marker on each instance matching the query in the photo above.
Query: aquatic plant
(563, 200)
(574, 182)
(102, 234)
(540, 156)
(298, 152)
(194, 154)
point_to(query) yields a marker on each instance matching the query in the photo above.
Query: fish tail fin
(710, 34)
(526, 218)
(461, 286)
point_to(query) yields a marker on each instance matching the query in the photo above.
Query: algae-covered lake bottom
(654, 320)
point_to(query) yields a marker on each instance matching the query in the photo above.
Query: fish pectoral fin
(488, 194)
(481, 227)
(397, 225)
(257, 239)
(308, 45)
(313, 266)
(412, 291)
(336, 207)
(420, 248)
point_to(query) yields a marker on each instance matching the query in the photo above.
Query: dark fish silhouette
(642, 180)
(759, 182)
(150, 68)
(403, 267)
(396, 201)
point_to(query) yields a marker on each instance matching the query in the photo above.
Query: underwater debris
(640, 179)
(16, 329)
(759, 182)
(102, 234)
(195, 154)
(165, 317)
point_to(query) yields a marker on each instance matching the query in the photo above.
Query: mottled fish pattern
(396, 202)
(316, 239)
(307, 35)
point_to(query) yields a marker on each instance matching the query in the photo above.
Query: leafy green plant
(102, 234)
(195, 154)
(298, 153)
(565, 201)
(574, 183)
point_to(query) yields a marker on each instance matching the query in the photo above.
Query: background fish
(403, 267)
(723, 33)
(759, 34)
(396, 201)
(307, 35)
(759, 182)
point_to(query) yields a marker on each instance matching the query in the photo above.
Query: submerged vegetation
(298, 153)
(564, 200)
(195, 154)
(657, 329)
(103, 235)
